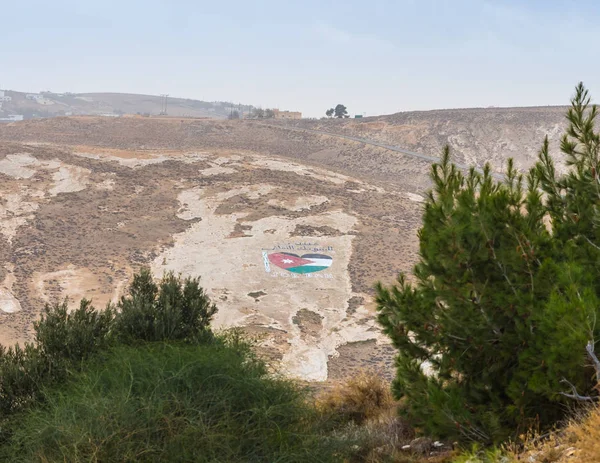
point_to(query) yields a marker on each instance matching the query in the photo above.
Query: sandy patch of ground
(106, 185)
(286, 166)
(24, 165)
(249, 191)
(298, 204)
(74, 284)
(239, 263)
(29, 185)
(127, 162)
(16, 211)
(8, 302)
(17, 165)
(229, 159)
(69, 179)
(114, 153)
(133, 161)
(217, 169)
(414, 197)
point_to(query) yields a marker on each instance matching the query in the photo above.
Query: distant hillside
(475, 136)
(65, 104)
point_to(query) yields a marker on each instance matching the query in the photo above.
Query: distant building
(287, 114)
(48, 93)
(12, 118)
(4, 97)
(40, 99)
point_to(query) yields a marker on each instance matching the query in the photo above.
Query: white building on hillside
(39, 98)
(12, 118)
(4, 97)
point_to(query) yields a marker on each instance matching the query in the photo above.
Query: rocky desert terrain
(85, 201)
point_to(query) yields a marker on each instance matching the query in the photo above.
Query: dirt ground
(80, 212)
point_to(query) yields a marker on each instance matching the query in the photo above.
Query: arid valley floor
(85, 201)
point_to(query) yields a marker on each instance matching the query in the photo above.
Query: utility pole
(163, 105)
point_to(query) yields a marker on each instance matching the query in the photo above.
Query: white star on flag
(287, 261)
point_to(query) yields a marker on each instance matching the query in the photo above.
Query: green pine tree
(505, 293)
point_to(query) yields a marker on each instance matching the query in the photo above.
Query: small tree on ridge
(340, 111)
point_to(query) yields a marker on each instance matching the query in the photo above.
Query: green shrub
(165, 402)
(64, 338)
(62, 341)
(22, 370)
(175, 309)
(506, 294)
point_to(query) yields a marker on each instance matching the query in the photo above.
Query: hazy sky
(375, 56)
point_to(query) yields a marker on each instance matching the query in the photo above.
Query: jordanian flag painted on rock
(306, 263)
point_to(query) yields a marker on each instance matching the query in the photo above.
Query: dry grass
(584, 438)
(367, 414)
(579, 442)
(381, 440)
(363, 397)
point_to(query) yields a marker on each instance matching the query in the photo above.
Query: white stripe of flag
(317, 263)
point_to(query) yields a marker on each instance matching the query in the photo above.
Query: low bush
(63, 338)
(175, 310)
(362, 397)
(381, 440)
(364, 415)
(62, 341)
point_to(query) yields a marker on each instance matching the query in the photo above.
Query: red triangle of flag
(285, 260)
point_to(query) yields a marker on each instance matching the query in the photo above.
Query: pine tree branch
(575, 395)
(529, 271)
(495, 329)
(496, 258)
(470, 432)
(590, 350)
(590, 242)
